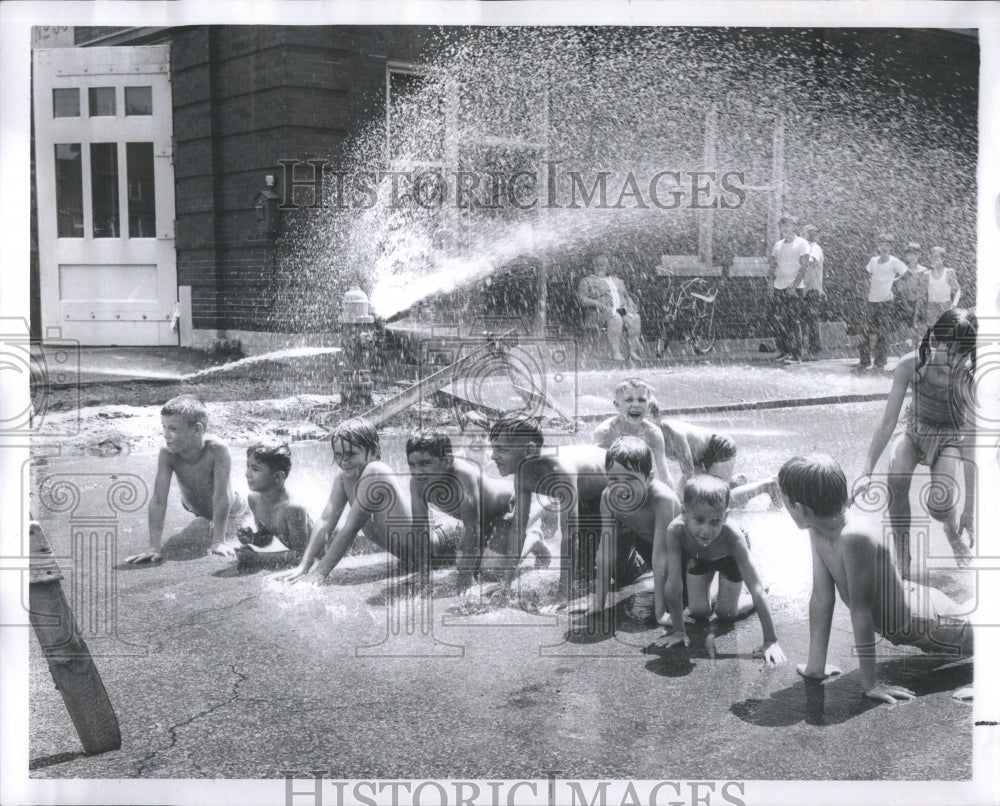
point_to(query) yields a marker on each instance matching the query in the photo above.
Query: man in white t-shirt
(788, 268)
(609, 298)
(812, 303)
(879, 313)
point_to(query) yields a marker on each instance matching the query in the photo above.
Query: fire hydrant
(357, 342)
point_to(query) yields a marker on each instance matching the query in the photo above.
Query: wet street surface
(216, 673)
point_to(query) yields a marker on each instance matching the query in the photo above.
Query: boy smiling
(202, 464)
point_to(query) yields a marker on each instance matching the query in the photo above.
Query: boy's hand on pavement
(673, 639)
(146, 557)
(889, 693)
(223, 550)
(772, 653)
(829, 671)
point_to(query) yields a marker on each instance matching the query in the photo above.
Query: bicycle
(693, 305)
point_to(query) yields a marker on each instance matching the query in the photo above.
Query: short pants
(935, 624)
(726, 566)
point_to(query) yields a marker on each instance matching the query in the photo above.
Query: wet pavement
(220, 674)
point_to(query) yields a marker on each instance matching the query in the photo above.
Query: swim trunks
(935, 624)
(726, 566)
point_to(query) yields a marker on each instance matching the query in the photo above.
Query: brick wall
(245, 97)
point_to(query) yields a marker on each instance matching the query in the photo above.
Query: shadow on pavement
(51, 761)
(838, 699)
(191, 543)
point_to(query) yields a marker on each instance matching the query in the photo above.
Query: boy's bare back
(379, 493)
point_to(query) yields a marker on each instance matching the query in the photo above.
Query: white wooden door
(105, 189)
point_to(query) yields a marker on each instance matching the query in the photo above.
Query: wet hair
(957, 326)
(436, 443)
(787, 218)
(706, 490)
(191, 408)
(519, 426)
(639, 383)
(360, 432)
(631, 453)
(817, 482)
(720, 448)
(273, 453)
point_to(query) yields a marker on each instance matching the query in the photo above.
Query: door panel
(105, 182)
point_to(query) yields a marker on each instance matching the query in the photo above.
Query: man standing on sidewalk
(879, 313)
(788, 260)
(812, 302)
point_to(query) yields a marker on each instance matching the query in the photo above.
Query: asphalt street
(220, 674)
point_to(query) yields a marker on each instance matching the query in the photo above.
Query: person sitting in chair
(610, 299)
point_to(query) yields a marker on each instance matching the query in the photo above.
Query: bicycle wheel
(703, 332)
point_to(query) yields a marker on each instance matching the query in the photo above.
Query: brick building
(153, 148)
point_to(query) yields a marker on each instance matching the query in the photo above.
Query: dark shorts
(726, 566)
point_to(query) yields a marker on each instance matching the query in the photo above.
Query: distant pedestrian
(909, 291)
(941, 291)
(608, 296)
(812, 302)
(879, 312)
(788, 267)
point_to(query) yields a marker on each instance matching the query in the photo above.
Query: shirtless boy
(379, 508)
(283, 524)
(850, 557)
(696, 546)
(635, 508)
(202, 465)
(635, 404)
(700, 450)
(459, 488)
(574, 477)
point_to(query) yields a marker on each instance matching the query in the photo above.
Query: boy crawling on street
(850, 558)
(380, 508)
(202, 465)
(283, 524)
(699, 543)
(459, 488)
(574, 477)
(635, 509)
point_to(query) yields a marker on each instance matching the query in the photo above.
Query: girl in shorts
(931, 432)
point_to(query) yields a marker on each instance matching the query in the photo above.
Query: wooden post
(66, 652)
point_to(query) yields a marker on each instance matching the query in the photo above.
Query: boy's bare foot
(150, 557)
(223, 550)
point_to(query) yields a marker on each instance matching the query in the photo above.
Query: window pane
(141, 195)
(104, 187)
(138, 100)
(66, 103)
(69, 190)
(102, 101)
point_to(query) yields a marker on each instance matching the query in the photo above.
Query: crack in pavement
(172, 730)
